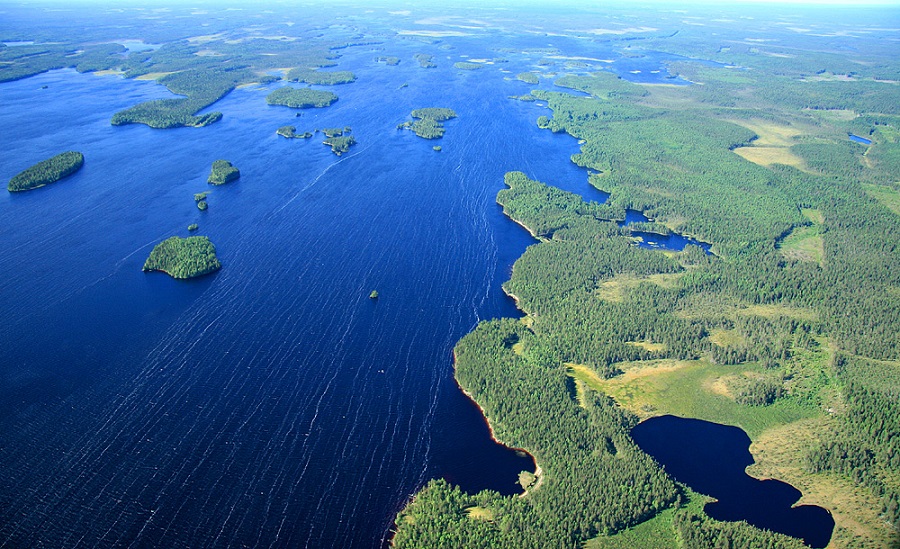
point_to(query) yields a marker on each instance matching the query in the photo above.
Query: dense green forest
(340, 143)
(793, 316)
(222, 172)
(311, 76)
(302, 98)
(183, 257)
(47, 171)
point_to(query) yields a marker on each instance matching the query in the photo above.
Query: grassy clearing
(771, 134)
(649, 346)
(656, 533)
(768, 156)
(617, 288)
(779, 453)
(816, 216)
(153, 75)
(804, 244)
(690, 389)
(705, 306)
(772, 145)
(777, 311)
(480, 513)
(887, 196)
(727, 338)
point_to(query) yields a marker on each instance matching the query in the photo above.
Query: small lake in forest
(858, 139)
(711, 459)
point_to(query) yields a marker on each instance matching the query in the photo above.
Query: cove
(711, 459)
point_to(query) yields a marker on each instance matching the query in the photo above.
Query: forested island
(311, 76)
(183, 257)
(291, 133)
(340, 143)
(302, 98)
(467, 66)
(47, 171)
(222, 172)
(428, 122)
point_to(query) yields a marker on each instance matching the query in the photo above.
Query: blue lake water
(711, 458)
(858, 139)
(272, 403)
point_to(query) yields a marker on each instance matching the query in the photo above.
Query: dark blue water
(272, 403)
(711, 459)
(858, 139)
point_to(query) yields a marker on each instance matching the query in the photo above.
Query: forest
(183, 257)
(785, 336)
(47, 171)
(302, 98)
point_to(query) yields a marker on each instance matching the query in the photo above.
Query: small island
(193, 227)
(374, 294)
(222, 172)
(428, 123)
(340, 144)
(302, 98)
(200, 199)
(425, 60)
(291, 133)
(389, 60)
(47, 171)
(528, 77)
(466, 66)
(183, 257)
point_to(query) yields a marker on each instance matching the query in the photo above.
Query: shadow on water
(712, 458)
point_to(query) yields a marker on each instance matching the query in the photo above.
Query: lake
(271, 403)
(711, 459)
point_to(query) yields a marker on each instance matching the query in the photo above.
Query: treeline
(594, 479)
(183, 257)
(866, 445)
(47, 171)
(697, 531)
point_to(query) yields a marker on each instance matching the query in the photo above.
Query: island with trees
(47, 171)
(183, 258)
(291, 133)
(425, 60)
(322, 78)
(301, 98)
(340, 143)
(388, 60)
(428, 123)
(222, 172)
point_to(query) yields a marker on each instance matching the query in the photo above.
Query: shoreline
(538, 471)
